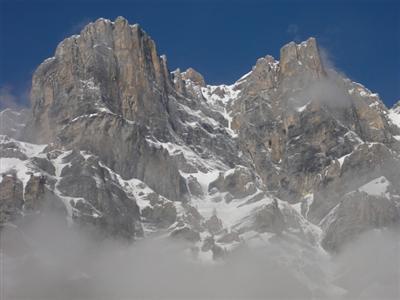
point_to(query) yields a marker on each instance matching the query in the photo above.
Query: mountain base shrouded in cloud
(126, 180)
(48, 260)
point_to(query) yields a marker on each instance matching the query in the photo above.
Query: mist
(326, 91)
(369, 268)
(49, 260)
(46, 259)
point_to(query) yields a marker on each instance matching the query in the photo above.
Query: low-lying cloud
(12, 98)
(326, 91)
(48, 260)
(369, 268)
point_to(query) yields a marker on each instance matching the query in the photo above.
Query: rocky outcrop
(367, 162)
(302, 58)
(9, 148)
(194, 186)
(194, 76)
(97, 198)
(269, 219)
(73, 185)
(239, 182)
(213, 224)
(161, 212)
(186, 233)
(357, 213)
(11, 198)
(37, 196)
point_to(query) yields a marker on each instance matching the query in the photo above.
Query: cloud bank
(49, 260)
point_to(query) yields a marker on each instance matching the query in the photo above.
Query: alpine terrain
(293, 160)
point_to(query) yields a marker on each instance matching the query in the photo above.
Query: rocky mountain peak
(267, 60)
(110, 77)
(124, 22)
(194, 76)
(295, 58)
(264, 75)
(110, 66)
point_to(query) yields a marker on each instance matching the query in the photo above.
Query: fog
(50, 261)
(45, 259)
(370, 266)
(326, 91)
(329, 90)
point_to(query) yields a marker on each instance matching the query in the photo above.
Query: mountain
(114, 141)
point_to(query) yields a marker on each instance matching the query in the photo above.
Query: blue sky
(221, 39)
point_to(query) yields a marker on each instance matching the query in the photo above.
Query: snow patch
(376, 187)
(394, 117)
(342, 159)
(302, 108)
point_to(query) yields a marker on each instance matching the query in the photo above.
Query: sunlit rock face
(294, 118)
(112, 67)
(11, 198)
(292, 151)
(104, 91)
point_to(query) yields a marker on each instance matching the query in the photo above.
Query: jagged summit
(293, 57)
(194, 76)
(117, 67)
(301, 56)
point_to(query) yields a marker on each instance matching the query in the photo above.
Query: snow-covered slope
(394, 115)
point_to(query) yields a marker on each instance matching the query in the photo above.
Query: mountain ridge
(116, 142)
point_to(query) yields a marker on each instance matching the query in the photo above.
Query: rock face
(99, 200)
(110, 66)
(269, 218)
(356, 213)
(35, 193)
(194, 76)
(303, 58)
(291, 150)
(365, 165)
(239, 183)
(11, 197)
(109, 77)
